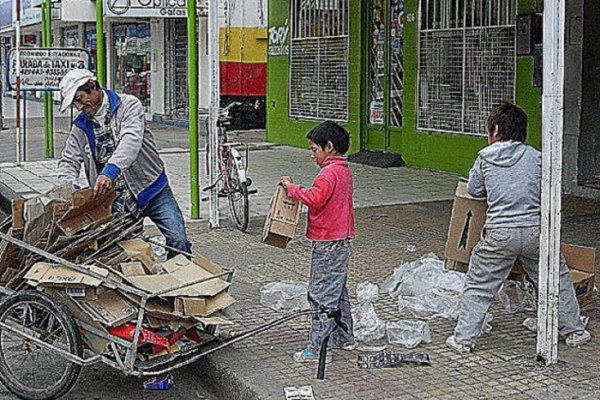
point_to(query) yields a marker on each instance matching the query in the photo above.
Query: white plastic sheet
(284, 296)
(408, 333)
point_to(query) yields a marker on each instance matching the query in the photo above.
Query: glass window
(466, 62)
(319, 59)
(132, 58)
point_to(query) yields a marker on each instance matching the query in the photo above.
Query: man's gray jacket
(135, 155)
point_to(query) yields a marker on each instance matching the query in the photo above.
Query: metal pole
(192, 48)
(552, 127)
(18, 77)
(1, 89)
(100, 55)
(24, 125)
(48, 102)
(213, 110)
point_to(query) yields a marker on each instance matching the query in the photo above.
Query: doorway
(384, 92)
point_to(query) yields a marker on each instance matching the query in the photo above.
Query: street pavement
(401, 214)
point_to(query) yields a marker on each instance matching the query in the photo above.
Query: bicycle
(233, 168)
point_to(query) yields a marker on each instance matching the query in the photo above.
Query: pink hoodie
(329, 201)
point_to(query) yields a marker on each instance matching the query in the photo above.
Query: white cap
(69, 84)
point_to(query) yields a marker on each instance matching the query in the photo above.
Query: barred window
(319, 59)
(466, 62)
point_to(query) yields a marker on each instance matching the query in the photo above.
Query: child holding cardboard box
(331, 227)
(509, 173)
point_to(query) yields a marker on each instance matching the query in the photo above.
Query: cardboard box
(582, 262)
(282, 219)
(73, 283)
(180, 270)
(466, 222)
(203, 307)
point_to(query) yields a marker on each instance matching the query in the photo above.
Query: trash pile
(107, 273)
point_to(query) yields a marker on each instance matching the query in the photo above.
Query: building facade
(418, 77)
(146, 49)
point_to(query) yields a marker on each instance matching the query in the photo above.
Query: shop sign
(151, 8)
(278, 43)
(376, 113)
(43, 68)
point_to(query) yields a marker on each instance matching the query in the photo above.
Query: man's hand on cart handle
(103, 185)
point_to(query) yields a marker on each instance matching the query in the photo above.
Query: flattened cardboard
(18, 220)
(204, 307)
(96, 343)
(132, 268)
(207, 265)
(60, 275)
(214, 320)
(110, 309)
(466, 223)
(180, 270)
(139, 250)
(86, 211)
(282, 219)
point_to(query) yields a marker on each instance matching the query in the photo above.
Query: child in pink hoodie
(331, 227)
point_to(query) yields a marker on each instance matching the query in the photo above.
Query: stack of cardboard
(183, 293)
(464, 231)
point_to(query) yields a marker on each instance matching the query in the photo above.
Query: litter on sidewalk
(388, 359)
(299, 393)
(408, 333)
(284, 296)
(367, 324)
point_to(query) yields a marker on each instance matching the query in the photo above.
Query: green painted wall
(421, 149)
(280, 127)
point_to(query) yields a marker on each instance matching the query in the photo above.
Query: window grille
(319, 59)
(466, 62)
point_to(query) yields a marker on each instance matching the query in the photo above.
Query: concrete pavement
(402, 214)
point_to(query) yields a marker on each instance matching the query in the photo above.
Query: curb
(224, 380)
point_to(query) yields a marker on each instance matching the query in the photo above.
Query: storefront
(414, 77)
(131, 58)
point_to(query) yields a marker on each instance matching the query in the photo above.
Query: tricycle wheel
(29, 370)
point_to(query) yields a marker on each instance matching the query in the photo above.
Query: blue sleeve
(112, 171)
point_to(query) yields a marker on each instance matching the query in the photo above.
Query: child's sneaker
(576, 339)
(308, 356)
(460, 348)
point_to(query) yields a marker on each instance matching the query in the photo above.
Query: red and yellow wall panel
(243, 61)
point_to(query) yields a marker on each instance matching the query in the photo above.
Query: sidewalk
(402, 214)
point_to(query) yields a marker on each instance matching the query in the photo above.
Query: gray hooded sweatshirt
(509, 174)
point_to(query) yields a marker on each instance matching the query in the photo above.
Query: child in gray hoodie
(508, 172)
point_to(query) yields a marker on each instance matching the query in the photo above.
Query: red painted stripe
(243, 79)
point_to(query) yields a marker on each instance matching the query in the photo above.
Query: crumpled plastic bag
(436, 303)
(517, 296)
(366, 291)
(284, 296)
(367, 325)
(408, 333)
(425, 288)
(421, 277)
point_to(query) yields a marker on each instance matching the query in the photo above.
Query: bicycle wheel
(237, 196)
(31, 371)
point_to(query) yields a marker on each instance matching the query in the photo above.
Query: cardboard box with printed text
(282, 219)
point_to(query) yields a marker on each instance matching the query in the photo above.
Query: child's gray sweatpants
(491, 262)
(327, 288)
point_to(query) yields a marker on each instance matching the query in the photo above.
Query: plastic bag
(421, 276)
(366, 291)
(437, 303)
(408, 333)
(284, 296)
(517, 296)
(367, 325)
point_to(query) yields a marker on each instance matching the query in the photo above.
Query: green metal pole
(100, 56)
(192, 23)
(48, 102)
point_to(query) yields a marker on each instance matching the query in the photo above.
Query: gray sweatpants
(491, 262)
(327, 288)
